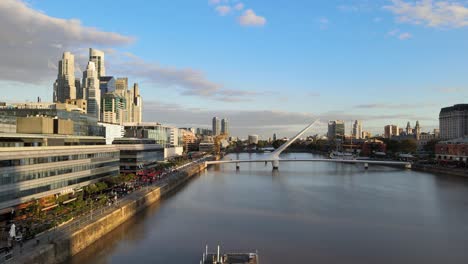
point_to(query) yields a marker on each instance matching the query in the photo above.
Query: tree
(430, 146)
(408, 146)
(277, 143)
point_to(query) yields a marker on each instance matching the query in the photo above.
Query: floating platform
(229, 258)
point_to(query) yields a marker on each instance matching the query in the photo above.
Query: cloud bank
(31, 42)
(431, 13)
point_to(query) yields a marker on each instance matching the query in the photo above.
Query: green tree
(277, 143)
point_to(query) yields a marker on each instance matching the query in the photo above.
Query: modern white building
(30, 173)
(112, 131)
(97, 57)
(64, 86)
(93, 92)
(253, 139)
(225, 126)
(216, 126)
(336, 129)
(357, 129)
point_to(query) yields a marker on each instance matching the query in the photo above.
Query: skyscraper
(93, 92)
(121, 85)
(80, 94)
(336, 129)
(113, 108)
(453, 122)
(97, 57)
(391, 130)
(216, 126)
(225, 126)
(134, 111)
(64, 86)
(137, 104)
(357, 129)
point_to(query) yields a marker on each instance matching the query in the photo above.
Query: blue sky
(269, 66)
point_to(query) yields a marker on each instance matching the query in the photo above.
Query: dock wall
(60, 250)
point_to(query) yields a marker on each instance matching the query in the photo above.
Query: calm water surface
(305, 213)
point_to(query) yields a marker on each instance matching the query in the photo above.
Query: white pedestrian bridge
(275, 159)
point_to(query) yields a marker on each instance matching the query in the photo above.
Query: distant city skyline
(381, 76)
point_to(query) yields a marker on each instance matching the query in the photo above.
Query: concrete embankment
(69, 245)
(441, 170)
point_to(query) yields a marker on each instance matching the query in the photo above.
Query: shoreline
(70, 242)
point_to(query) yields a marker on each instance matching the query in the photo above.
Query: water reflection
(304, 213)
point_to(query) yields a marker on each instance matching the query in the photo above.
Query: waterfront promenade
(33, 251)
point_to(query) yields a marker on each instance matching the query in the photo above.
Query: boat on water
(342, 155)
(229, 258)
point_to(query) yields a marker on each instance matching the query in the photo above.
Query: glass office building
(31, 173)
(136, 158)
(161, 134)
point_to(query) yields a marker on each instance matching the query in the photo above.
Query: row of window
(14, 194)
(9, 178)
(41, 160)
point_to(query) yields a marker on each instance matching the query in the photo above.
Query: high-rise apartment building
(93, 92)
(225, 126)
(357, 129)
(453, 122)
(64, 86)
(216, 126)
(133, 98)
(137, 104)
(97, 57)
(80, 94)
(336, 129)
(391, 130)
(114, 108)
(106, 84)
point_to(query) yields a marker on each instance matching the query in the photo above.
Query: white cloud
(187, 81)
(223, 10)
(249, 18)
(39, 39)
(431, 13)
(396, 33)
(405, 36)
(239, 6)
(31, 43)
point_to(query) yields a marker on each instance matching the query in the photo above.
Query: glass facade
(161, 134)
(132, 161)
(31, 173)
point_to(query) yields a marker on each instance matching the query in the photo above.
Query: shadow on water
(135, 229)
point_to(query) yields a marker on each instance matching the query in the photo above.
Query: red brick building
(453, 150)
(372, 146)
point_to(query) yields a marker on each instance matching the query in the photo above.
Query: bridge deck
(376, 162)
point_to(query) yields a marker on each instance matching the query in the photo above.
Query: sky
(267, 66)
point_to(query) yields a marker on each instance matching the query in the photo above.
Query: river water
(305, 213)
